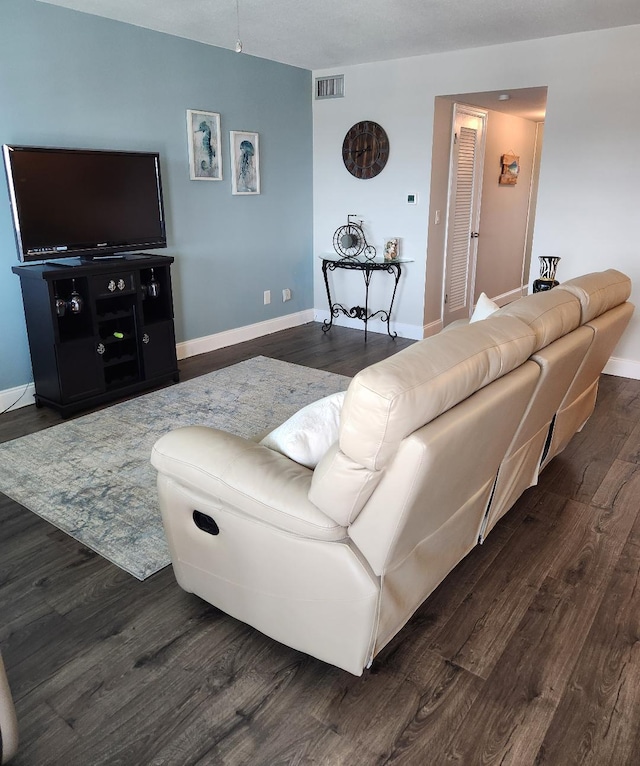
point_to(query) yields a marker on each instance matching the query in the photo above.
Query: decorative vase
(547, 280)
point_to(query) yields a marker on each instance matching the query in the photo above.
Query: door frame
(481, 114)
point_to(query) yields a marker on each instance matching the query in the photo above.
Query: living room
(72, 79)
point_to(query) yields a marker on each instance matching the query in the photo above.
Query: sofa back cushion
(389, 400)
(598, 292)
(549, 314)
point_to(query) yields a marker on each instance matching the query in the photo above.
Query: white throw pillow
(308, 434)
(484, 308)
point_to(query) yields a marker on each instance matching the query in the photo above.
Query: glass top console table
(332, 261)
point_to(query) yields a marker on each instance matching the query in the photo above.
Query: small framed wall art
(510, 169)
(245, 162)
(203, 137)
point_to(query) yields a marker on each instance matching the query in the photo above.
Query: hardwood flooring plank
(620, 489)
(478, 631)
(445, 693)
(110, 708)
(630, 451)
(369, 712)
(522, 693)
(41, 734)
(597, 720)
(578, 471)
(594, 548)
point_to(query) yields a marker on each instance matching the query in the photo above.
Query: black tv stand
(99, 331)
(80, 260)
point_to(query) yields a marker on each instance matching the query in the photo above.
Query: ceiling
(321, 34)
(527, 103)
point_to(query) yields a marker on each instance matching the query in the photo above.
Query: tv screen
(77, 202)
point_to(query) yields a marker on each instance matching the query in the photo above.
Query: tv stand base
(100, 330)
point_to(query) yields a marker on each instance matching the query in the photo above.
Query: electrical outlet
(267, 297)
(286, 295)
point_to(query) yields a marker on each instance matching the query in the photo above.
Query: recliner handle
(205, 523)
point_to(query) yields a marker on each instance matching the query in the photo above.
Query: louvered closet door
(464, 212)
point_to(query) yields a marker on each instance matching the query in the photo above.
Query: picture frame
(205, 145)
(510, 169)
(245, 162)
(392, 249)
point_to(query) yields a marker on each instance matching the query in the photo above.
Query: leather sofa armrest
(245, 478)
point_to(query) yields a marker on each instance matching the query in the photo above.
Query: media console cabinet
(99, 330)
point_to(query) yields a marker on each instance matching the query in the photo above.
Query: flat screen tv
(81, 202)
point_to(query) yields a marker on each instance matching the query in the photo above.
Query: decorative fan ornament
(349, 241)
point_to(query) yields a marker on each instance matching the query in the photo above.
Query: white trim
(623, 368)
(433, 328)
(512, 295)
(19, 396)
(404, 330)
(240, 334)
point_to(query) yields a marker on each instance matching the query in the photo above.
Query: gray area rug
(92, 478)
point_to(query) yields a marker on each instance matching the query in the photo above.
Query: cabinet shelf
(121, 381)
(120, 360)
(78, 361)
(114, 315)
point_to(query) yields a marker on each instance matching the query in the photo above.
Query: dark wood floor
(528, 653)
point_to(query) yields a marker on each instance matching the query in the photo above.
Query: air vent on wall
(330, 87)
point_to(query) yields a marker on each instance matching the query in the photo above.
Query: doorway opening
(498, 262)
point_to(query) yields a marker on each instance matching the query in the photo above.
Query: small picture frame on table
(392, 249)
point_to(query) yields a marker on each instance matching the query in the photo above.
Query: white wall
(589, 197)
(504, 209)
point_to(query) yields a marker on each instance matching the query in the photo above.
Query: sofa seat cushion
(389, 400)
(598, 292)
(551, 314)
(306, 436)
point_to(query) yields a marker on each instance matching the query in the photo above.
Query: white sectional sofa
(434, 446)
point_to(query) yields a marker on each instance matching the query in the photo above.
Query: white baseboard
(433, 328)
(510, 296)
(404, 330)
(241, 334)
(623, 368)
(22, 396)
(14, 398)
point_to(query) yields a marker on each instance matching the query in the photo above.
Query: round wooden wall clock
(365, 149)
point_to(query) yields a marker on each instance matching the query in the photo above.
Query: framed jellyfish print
(204, 141)
(245, 162)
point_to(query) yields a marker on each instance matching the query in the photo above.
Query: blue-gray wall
(71, 79)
